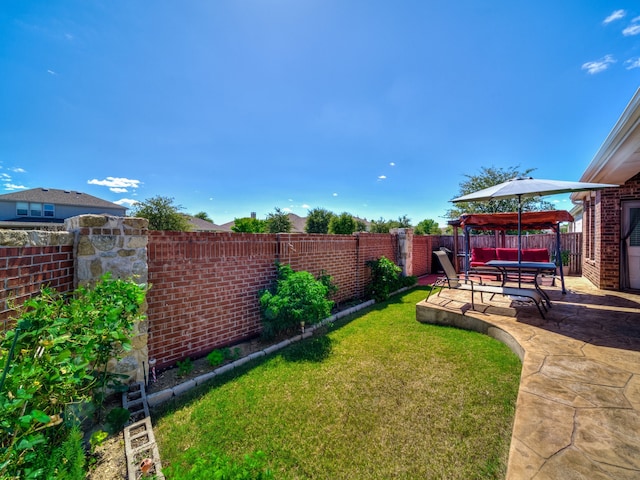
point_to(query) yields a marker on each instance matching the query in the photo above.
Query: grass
(379, 396)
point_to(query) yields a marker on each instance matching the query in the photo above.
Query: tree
(278, 222)
(427, 227)
(203, 216)
(403, 222)
(361, 225)
(343, 224)
(162, 214)
(489, 177)
(249, 225)
(379, 226)
(318, 220)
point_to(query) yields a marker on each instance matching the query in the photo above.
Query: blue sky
(377, 108)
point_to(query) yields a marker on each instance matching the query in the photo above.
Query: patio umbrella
(528, 187)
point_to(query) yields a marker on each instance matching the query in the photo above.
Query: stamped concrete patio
(578, 408)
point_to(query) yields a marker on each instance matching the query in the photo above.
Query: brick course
(25, 270)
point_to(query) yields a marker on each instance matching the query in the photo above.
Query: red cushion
(535, 255)
(508, 254)
(480, 255)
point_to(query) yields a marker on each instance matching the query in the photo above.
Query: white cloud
(18, 170)
(5, 177)
(304, 205)
(51, 72)
(116, 184)
(287, 209)
(632, 63)
(382, 177)
(335, 194)
(126, 201)
(633, 29)
(598, 65)
(392, 164)
(617, 15)
(11, 186)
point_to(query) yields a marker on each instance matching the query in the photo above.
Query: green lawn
(379, 396)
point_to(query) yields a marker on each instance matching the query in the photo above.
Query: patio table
(534, 269)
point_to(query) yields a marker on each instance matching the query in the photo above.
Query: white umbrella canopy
(529, 187)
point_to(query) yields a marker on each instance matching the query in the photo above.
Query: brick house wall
(605, 211)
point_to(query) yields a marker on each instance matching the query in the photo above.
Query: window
(35, 209)
(26, 209)
(49, 210)
(634, 238)
(22, 208)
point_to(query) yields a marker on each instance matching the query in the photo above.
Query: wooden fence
(569, 242)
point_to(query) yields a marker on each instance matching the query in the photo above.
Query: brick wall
(604, 269)
(205, 285)
(24, 270)
(421, 255)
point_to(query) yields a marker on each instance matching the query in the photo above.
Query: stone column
(105, 243)
(405, 249)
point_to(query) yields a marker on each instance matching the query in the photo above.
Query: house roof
(59, 197)
(618, 159)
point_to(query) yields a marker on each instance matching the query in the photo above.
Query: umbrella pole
(559, 256)
(519, 239)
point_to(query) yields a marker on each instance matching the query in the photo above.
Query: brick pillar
(105, 243)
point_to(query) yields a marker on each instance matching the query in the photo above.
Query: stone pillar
(105, 243)
(405, 249)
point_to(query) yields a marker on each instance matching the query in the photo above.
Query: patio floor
(578, 408)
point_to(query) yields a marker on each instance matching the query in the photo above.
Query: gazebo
(501, 222)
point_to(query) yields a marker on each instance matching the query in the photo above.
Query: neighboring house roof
(59, 197)
(200, 225)
(618, 159)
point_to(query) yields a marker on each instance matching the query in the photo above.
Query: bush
(54, 366)
(297, 297)
(386, 277)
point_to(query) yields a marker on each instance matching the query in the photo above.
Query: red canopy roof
(509, 221)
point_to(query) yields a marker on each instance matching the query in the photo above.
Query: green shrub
(54, 366)
(386, 278)
(297, 297)
(219, 356)
(185, 367)
(220, 467)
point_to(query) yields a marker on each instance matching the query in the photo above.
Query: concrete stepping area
(578, 409)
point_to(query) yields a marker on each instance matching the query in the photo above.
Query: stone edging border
(162, 396)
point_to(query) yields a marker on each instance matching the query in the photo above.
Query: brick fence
(204, 286)
(30, 261)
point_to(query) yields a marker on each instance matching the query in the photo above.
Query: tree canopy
(488, 177)
(162, 214)
(278, 222)
(248, 225)
(343, 224)
(318, 220)
(427, 227)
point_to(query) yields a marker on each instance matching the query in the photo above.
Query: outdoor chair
(453, 281)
